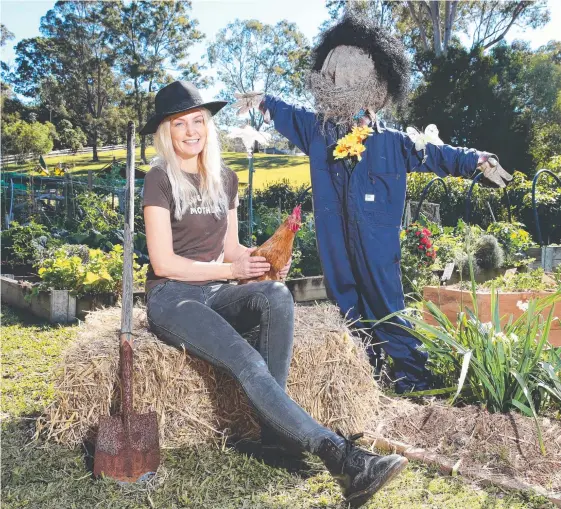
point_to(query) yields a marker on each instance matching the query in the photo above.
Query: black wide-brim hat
(178, 97)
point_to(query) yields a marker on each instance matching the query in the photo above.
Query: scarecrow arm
(294, 123)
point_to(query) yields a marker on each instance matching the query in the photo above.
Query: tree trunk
(434, 10)
(95, 157)
(143, 149)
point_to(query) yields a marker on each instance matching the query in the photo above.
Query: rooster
(278, 249)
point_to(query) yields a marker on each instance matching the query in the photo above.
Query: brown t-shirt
(199, 235)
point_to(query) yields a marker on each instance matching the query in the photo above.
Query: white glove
(494, 175)
(246, 102)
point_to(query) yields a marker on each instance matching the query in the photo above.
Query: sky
(22, 17)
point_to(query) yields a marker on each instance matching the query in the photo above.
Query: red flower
(417, 233)
(426, 232)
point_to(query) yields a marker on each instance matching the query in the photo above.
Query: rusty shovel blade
(123, 456)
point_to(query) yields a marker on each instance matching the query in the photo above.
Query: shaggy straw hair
(330, 377)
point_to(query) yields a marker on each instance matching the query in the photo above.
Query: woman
(190, 202)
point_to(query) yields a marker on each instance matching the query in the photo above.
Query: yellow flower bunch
(351, 144)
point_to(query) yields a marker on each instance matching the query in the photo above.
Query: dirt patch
(493, 444)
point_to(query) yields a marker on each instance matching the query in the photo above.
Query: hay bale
(330, 377)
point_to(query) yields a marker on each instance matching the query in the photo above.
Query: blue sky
(22, 17)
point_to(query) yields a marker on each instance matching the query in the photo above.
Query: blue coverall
(358, 216)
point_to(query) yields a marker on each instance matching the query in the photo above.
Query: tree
(5, 35)
(434, 25)
(70, 137)
(22, 138)
(469, 97)
(74, 53)
(148, 36)
(250, 55)
(5, 89)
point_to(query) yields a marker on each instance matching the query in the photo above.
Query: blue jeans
(207, 321)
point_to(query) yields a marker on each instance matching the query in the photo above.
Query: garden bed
(481, 445)
(60, 306)
(452, 300)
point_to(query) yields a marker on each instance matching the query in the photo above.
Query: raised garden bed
(452, 300)
(60, 306)
(56, 306)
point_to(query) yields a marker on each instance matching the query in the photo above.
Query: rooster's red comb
(297, 212)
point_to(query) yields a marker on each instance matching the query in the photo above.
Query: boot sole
(361, 497)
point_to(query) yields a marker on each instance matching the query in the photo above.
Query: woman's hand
(286, 269)
(247, 266)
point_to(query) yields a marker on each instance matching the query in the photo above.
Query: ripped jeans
(207, 321)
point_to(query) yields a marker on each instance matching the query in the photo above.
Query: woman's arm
(166, 263)
(232, 247)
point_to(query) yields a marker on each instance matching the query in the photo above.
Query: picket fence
(85, 150)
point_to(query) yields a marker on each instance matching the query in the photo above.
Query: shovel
(127, 447)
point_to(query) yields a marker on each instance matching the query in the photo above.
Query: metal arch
(425, 193)
(507, 199)
(468, 197)
(534, 182)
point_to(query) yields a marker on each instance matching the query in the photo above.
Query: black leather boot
(359, 473)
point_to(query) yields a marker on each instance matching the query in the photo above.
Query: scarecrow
(358, 172)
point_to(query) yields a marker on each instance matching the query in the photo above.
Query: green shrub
(513, 238)
(25, 243)
(488, 254)
(502, 366)
(98, 272)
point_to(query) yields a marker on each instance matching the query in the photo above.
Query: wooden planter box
(451, 301)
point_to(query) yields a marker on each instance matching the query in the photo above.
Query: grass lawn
(268, 168)
(40, 475)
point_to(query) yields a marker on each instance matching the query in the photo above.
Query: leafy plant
(534, 280)
(488, 253)
(25, 243)
(513, 238)
(98, 272)
(503, 366)
(417, 256)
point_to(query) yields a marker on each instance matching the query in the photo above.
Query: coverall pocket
(379, 190)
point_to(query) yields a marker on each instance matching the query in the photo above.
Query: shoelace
(349, 440)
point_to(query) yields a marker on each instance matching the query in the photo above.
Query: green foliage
(95, 213)
(533, 280)
(417, 257)
(251, 55)
(498, 364)
(21, 138)
(70, 137)
(513, 238)
(94, 273)
(25, 243)
(452, 206)
(488, 254)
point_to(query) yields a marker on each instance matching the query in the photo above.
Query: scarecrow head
(357, 65)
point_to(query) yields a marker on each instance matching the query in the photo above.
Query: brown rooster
(278, 249)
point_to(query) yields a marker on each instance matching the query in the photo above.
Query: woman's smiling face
(188, 133)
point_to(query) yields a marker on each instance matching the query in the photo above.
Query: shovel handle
(126, 378)
(127, 296)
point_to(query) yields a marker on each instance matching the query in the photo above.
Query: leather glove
(494, 175)
(246, 102)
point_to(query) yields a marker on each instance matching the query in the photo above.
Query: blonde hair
(211, 170)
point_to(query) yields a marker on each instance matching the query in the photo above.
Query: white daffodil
(522, 305)
(249, 136)
(421, 139)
